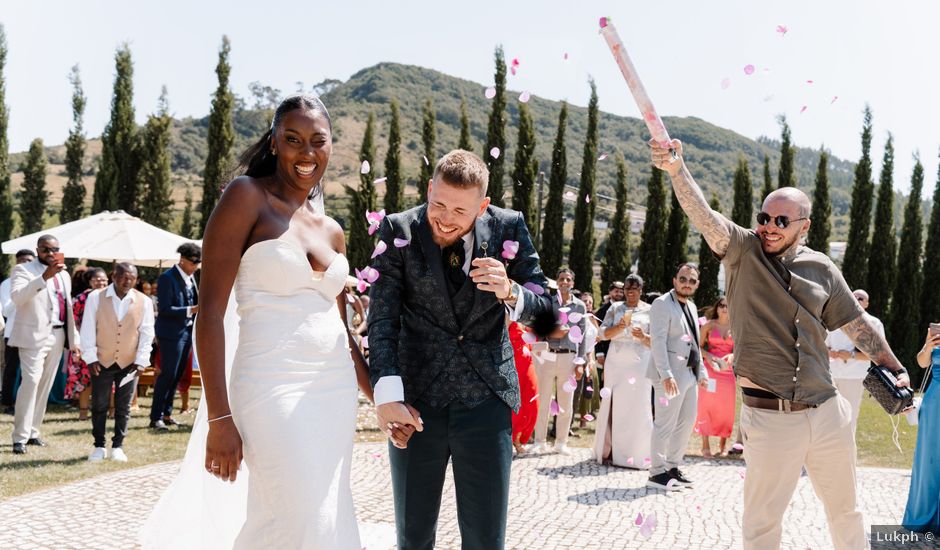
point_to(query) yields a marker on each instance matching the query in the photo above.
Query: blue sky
(882, 53)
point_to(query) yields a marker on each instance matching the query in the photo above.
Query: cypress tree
(786, 177)
(116, 182)
(616, 263)
(428, 136)
(34, 196)
(881, 261)
(6, 192)
(855, 262)
(821, 227)
(904, 314)
(466, 142)
(768, 183)
(362, 200)
(708, 265)
(394, 186)
(743, 207)
(930, 308)
(155, 173)
(581, 257)
(73, 194)
(186, 224)
(495, 133)
(551, 244)
(652, 262)
(526, 168)
(677, 233)
(220, 137)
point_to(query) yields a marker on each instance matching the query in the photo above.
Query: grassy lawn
(69, 441)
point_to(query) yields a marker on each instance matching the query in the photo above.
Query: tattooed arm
(712, 225)
(867, 338)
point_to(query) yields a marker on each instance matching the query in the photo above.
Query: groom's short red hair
(462, 169)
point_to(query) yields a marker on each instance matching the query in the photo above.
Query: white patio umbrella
(109, 237)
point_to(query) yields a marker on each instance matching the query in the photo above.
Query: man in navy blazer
(177, 304)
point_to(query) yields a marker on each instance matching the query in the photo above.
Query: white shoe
(118, 455)
(562, 450)
(539, 448)
(98, 454)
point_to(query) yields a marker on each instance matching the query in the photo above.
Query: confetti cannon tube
(647, 111)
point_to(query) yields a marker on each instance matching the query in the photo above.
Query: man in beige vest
(117, 332)
(44, 327)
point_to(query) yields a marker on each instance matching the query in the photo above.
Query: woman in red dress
(523, 422)
(716, 402)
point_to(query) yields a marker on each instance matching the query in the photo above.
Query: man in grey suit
(675, 365)
(452, 272)
(44, 327)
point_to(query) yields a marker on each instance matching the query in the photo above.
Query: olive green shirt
(779, 328)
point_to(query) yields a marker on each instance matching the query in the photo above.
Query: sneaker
(562, 449)
(117, 454)
(98, 454)
(680, 478)
(663, 482)
(158, 425)
(539, 448)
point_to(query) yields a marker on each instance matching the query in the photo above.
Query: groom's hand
(489, 274)
(398, 421)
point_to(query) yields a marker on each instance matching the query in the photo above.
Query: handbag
(880, 383)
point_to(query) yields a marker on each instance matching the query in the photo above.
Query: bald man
(784, 299)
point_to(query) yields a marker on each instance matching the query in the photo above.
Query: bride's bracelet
(211, 420)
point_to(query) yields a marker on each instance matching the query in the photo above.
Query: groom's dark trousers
(478, 441)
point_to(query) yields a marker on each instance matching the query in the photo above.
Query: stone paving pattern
(556, 502)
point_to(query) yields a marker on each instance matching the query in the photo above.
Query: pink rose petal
(749, 69)
(588, 417)
(490, 92)
(526, 352)
(578, 361)
(373, 217)
(494, 152)
(554, 409)
(630, 460)
(681, 358)
(378, 181)
(602, 157)
(370, 274)
(510, 249)
(524, 97)
(725, 83)
(426, 161)
(686, 338)
(350, 299)
(568, 387)
(380, 247)
(737, 447)
(702, 320)
(834, 98)
(809, 81)
(663, 401)
(534, 397)
(365, 168)
(534, 288)
(373, 227)
(529, 338)
(803, 109)
(401, 243)
(566, 56)
(671, 483)
(605, 393)
(575, 335)
(647, 460)
(587, 199)
(562, 317)
(631, 380)
(575, 317)
(569, 195)
(782, 29)
(639, 519)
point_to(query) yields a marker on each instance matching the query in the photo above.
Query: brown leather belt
(781, 405)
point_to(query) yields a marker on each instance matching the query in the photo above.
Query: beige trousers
(776, 447)
(552, 375)
(38, 369)
(851, 389)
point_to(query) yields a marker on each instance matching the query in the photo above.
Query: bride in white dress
(289, 407)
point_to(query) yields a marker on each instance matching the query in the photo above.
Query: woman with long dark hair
(716, 402)
(289, 406)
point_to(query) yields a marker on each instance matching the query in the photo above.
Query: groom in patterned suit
(441, 360)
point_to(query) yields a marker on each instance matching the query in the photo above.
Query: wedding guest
(44, 328)
(923, 499)
(523, 422)
(78, 384)
(586, 395)
(625, 422)
(614, 295)
(11, 357)
(117, 332)
(848, 365)
(716, 401)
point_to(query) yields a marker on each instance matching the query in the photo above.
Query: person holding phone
(45, 326)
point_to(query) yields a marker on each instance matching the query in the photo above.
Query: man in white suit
(675, 365)
(44, 327)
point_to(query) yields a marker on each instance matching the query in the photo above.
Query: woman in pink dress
(716, 401)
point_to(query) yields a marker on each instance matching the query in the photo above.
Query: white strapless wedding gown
(292, 391)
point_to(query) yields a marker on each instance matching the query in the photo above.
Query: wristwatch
(514, 292)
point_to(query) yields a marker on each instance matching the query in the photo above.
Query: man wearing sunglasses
(44, 328)
(784, 298)
(177, 304)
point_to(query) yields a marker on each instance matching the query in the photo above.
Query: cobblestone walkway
(557, 502)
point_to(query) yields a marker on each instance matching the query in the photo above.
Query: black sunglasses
(763, 218)
(690, 280)
(49, 249)
(196, 261)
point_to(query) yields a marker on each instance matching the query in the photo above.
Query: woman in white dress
(290, 405)
(625, 421)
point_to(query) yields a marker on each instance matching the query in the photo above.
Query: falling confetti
(725, 83)
(364, 169)
(490, 92)
(554, 409)
(663, 401)
(605, 393)
(575, 335)
(834, 98)
(649, 524)
(575, 317)
(365, 278)
(526, 352)
(569, 195)
(686, 338)
(588, 417)
(529, 338)
(631, 380)
(566, 56)
(524, 97)
(579, 361)
(742, 472)
(602, 157)
(514, 66)
(401, 243)
(374, 219)
(630, 460)
(380, 247)
(782, 29)
(749, 69)
(534, 397)
(809, 81)
(494, 152)
(587, 199)
(803, 109)
(426, 161)
(534, 288)
(647, 460)
(737, 447)
(639, 519)
(510, 249)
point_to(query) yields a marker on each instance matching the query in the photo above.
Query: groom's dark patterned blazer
(414, 331)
